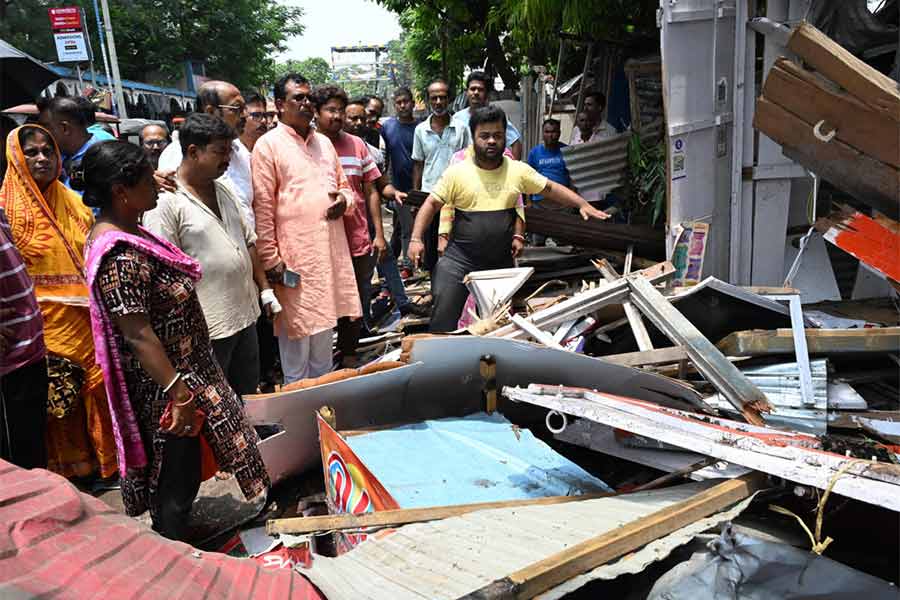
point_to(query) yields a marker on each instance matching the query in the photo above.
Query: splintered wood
(841, 121)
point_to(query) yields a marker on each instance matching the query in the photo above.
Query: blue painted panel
(477, 458)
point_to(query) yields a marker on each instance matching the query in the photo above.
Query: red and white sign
(65, 19)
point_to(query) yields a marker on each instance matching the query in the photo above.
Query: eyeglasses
(156, 143)
(259, 116)
(301, 98)
(234, 108)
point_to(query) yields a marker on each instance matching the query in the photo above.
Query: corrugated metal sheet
(456, 556)
(58, 542)
(598, 167)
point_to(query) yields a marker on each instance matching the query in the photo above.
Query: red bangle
(186, 402)
(516, 236)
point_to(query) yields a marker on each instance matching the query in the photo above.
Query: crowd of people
(146, 288)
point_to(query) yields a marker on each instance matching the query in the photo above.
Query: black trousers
(268, 347)
(349, 331)
(23, 416)
(179, 482)
(431, 245)
(238, 355)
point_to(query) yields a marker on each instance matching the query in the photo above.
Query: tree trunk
(497, 58)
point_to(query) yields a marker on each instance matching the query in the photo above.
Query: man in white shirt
(225, 101)
(594, 103)
(203, 218)
(478, 87)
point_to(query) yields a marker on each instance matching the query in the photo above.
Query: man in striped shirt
(359, 168)
(23, 367)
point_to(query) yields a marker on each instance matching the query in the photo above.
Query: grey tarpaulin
(740, 567)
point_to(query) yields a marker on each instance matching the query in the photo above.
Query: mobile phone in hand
(290, 278)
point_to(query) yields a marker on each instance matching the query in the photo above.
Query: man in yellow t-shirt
(488, 229)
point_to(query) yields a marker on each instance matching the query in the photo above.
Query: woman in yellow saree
(49, 225)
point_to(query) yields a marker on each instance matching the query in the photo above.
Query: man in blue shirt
(547, 159)
(398, 133)
(64, 117)
(478, 86)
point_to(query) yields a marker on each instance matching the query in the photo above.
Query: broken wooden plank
(580, 558)
(727, 379)
(532, 330)
(586, 302)
(638, 329)
(867, 179)
(813, 99)
(761, 342)
(864, 238)
(840, 66)
(404, 516)
(659, 356)
(794, 456)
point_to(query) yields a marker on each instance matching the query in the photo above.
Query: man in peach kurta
(300, 194)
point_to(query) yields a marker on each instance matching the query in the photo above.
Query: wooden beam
(840, 66)
(727, 379)
(860, 175)
(649, 242)
(761, 342)
(635, 321)
(813, 98)
(590, 554)
(533, 331)
(404, 516)
(659, 356)
(586, 302)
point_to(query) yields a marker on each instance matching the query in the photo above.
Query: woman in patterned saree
(166, 392)
(49, 224)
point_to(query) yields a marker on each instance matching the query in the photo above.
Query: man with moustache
(488, 227)
(223, 100)
(330, 102)
(355, 123)
(300, 196)
(398, 133)
(203, 218)
(435, 142)
(154, 139)
(478, 87)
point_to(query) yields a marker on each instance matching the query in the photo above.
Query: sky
(339, 23)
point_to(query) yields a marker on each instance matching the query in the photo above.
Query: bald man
(154, 139)
(223, 100)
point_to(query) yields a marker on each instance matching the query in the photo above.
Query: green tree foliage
(446, 36)
(316, 69)
(235, 38)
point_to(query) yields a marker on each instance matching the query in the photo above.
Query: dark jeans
(23, 416)
(449, 293)
(349, 331)
(238, 355)
(391, 274)
(179, 482)
(403, 223)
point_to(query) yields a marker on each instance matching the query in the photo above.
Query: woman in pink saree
(166, 392)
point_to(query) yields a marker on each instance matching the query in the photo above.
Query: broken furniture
(842, 122)
(790, 455)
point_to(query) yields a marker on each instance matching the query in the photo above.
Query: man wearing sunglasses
(300, 196)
